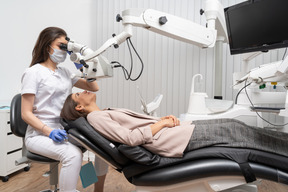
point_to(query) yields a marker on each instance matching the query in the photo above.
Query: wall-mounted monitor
(257, 25)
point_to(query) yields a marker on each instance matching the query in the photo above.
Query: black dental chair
(203, 170)
(18, 127)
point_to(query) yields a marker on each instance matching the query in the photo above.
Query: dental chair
(18, 128)
(203, 170)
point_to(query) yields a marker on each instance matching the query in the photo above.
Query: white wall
(169, 64)
(21, 23)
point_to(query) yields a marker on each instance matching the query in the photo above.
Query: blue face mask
(58, 56)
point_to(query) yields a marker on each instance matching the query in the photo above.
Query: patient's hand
(175, 121)
(168, 121)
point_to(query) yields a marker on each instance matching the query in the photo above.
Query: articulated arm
(171, 26)
(162, 23)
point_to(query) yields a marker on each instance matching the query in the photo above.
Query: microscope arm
(171, 26)
(115, 41)
(156, 21)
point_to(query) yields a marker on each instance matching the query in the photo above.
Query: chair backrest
(17, 125)
(89, 132)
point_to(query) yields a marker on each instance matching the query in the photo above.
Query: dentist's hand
(58, 135)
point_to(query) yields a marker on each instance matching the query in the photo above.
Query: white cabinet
(10, 147)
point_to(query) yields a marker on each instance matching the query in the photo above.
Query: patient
(167, 136)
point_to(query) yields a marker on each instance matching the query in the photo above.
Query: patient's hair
(69, 112)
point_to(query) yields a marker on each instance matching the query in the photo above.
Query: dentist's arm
(28, 116)
(87, 85)
(56, 135)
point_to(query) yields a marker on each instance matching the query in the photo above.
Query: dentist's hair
(41, 49)
(69, 112)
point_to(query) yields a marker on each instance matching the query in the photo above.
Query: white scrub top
(51, 89)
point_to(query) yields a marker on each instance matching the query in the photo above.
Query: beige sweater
(131, 128)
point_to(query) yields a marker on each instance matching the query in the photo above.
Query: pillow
(139, 154)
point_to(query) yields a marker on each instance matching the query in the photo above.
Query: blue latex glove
(58, 135)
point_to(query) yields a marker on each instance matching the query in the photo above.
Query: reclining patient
(167, 136)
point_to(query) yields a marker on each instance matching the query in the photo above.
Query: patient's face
(84, 98)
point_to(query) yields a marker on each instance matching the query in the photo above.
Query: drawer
(13, 142)
(10, 161)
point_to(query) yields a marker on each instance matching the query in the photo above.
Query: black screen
(258, 25)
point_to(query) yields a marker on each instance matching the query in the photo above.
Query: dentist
(45, 86)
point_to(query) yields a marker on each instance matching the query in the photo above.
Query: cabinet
(10, 147)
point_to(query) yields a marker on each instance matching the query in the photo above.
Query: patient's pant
(234, 133)
(68, 154)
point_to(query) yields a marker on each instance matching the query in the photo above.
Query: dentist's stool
(18, 128)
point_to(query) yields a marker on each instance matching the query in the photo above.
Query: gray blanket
(234, 133)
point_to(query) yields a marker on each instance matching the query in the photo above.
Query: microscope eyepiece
(63, 47)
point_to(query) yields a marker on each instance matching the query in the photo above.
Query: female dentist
(45, 86)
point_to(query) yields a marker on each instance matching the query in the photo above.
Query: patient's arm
(112, 130)
(166, 122)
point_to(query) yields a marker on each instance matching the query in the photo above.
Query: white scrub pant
(68, 154)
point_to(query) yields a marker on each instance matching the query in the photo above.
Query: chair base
(56, 189)
(208, 184)
(49, 190)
